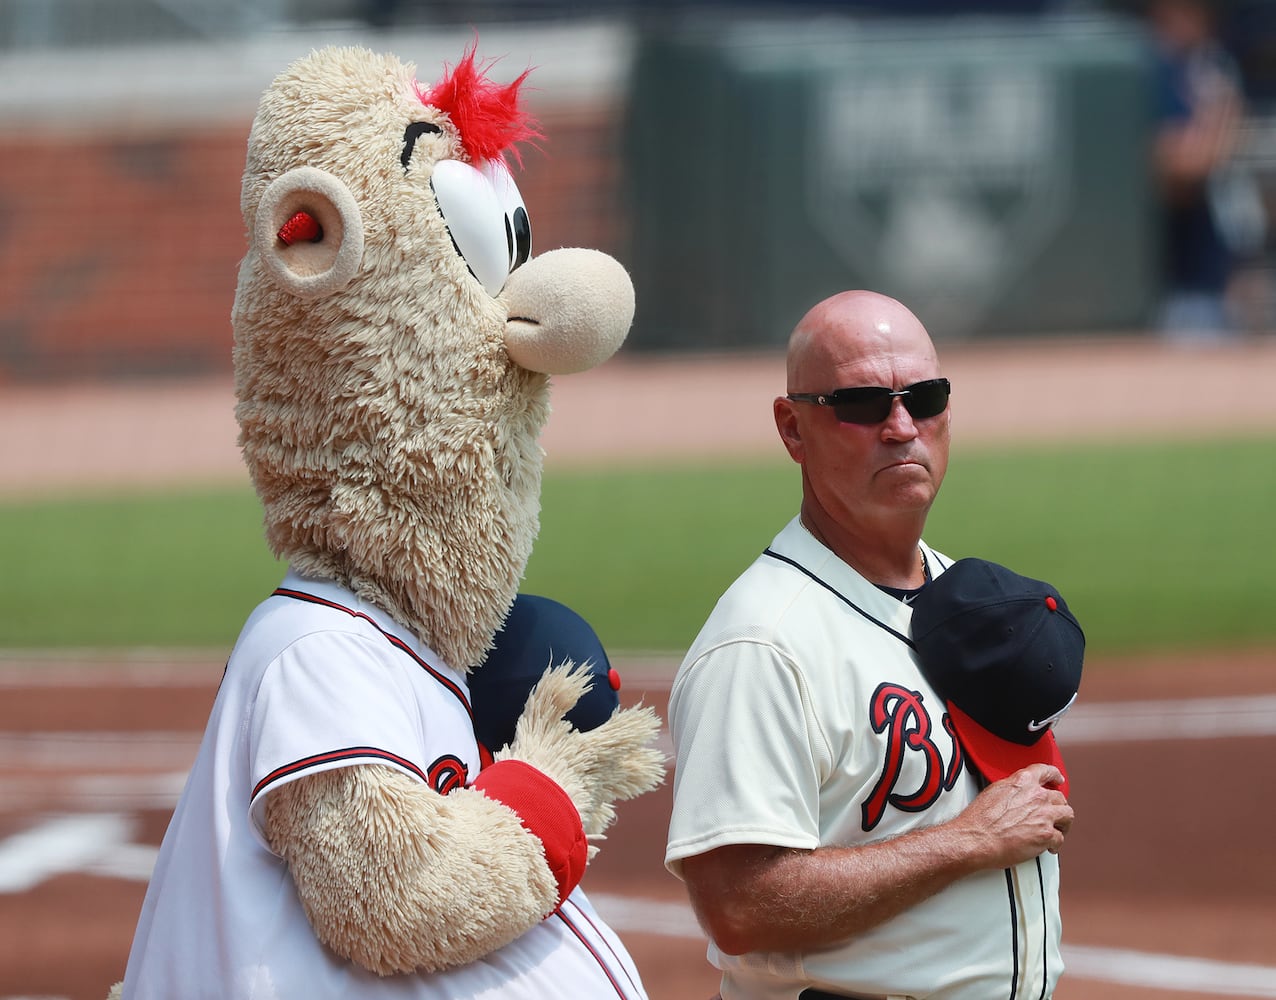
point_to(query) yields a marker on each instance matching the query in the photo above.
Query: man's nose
(898, 425)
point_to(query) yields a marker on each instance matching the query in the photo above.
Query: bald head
(850, 332)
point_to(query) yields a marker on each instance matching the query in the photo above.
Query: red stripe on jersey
(394, 640)
(602, 962)
(349, 753)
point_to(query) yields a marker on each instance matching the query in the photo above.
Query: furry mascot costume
(342, 833)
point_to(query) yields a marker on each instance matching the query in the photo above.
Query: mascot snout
(569, 310)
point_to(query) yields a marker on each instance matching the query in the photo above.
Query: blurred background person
(1212, 215)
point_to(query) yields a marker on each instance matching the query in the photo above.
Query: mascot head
(394, 337)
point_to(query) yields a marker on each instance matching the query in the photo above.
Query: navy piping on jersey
(394, 640)
(349, 753)
(602, 963)
(1045, 929)
(840, 596)
(1014, 934)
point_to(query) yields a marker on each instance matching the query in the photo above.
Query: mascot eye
(518, 228)
(485, 215)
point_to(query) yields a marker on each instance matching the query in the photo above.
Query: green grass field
(1154, 546)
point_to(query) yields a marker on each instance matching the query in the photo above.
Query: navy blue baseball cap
(538, 633)
(1005, 654)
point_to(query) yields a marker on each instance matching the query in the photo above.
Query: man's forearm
(755, 897)
(780, 899)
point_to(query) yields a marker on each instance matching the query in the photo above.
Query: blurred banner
(992, 173)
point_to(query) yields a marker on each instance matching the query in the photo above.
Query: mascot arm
(398, 878)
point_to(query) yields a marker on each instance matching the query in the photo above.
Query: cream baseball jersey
(801, 718)
(318, 680)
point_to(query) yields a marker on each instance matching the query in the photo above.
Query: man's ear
(309, 233)
(786, 423)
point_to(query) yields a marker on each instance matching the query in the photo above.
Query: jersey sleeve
(748, 750)
(330, 699)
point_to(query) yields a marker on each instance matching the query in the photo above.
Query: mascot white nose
(569, 310)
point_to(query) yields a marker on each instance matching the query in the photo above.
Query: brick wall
(119, 249)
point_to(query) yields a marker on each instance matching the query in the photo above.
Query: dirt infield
(1169, 878)
(1168, 873)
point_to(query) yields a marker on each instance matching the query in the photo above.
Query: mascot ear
(309, 233)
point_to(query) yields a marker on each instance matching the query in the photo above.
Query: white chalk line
(1185, 719)
(1169, 972)
(62, 845)
(1110, 722)
(628, 914)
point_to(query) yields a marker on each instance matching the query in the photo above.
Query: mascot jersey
(318, 680)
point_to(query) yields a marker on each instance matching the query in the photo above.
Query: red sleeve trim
(349, 753)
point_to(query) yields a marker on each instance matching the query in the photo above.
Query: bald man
(830, 838)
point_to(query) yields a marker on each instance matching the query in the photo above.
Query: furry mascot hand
(339, 835)
(545, 713)
(610, 762)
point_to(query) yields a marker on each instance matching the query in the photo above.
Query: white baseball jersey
(319, 680)
(801, 719)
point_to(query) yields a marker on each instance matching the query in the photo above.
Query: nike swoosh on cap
(1035, 727)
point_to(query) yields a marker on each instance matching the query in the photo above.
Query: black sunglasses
(871, 404)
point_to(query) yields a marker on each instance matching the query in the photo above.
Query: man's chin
(909, 488)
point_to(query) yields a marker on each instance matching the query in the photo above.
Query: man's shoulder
(767, 585)
(774, 602)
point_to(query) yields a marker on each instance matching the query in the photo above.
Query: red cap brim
(996, 758)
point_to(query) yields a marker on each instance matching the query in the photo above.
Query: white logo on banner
(939, 181)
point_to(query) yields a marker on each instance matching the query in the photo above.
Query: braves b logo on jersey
(447, 773)
(900, 714)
